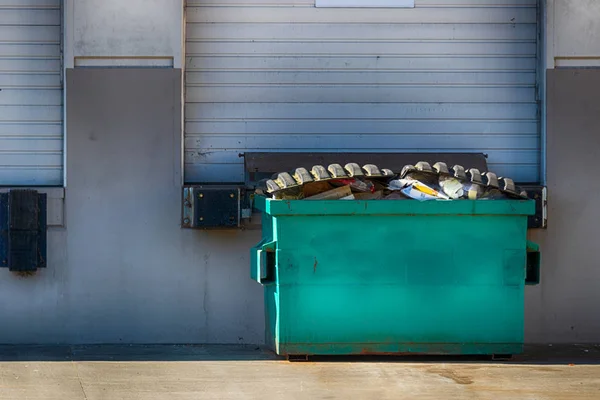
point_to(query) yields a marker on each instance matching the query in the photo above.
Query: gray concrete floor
(234, 372)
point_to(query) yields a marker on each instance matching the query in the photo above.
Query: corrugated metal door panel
(272, 75)
(31, 130)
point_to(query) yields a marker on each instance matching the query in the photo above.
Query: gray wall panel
(565, 307)
(133, 275)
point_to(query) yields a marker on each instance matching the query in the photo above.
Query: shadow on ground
(534, 354)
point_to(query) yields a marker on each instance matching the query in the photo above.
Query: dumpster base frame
(296, 350)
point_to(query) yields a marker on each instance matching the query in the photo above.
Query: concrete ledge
(234, 372)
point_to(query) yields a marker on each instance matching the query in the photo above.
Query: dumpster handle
(263, 262)
(534, 261)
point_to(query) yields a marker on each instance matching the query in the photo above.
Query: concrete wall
(573, 33)
(565, 307)
(120, 268)
(134, 275)
(123, 29)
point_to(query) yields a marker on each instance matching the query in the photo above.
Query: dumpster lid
(260, 164)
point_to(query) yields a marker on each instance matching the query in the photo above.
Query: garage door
(31, 134)
(456, 75)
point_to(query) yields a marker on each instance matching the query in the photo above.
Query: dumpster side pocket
(534, 261)
(263, 258)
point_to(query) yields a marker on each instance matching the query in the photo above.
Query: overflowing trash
(421, 182)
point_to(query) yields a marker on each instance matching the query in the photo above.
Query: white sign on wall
(366, 3)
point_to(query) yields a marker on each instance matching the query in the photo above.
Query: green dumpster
(393, 277)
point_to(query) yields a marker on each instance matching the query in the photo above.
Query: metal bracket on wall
(540, 195)
(214, 207)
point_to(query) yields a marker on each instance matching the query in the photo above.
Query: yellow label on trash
(419, 191)
(425, 189)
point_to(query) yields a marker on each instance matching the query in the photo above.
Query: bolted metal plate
(540, 195)
(210, 207)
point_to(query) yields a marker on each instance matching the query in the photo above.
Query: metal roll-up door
(449, 76)
(31, 132)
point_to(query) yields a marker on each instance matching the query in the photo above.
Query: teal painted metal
(393, 277)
